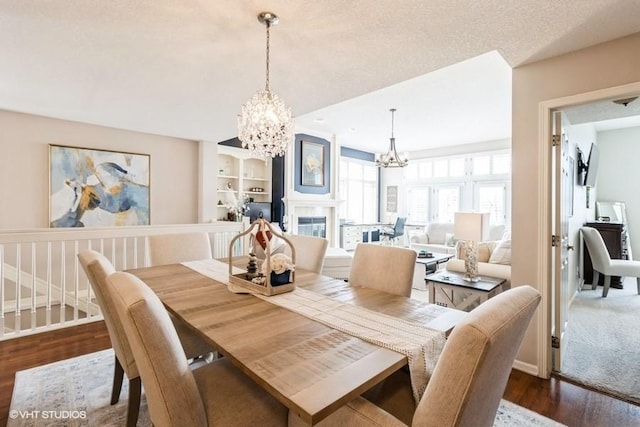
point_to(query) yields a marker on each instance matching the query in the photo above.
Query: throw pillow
(484, 250)
(502, 253)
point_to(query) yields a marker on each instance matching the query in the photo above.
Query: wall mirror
(611, 211)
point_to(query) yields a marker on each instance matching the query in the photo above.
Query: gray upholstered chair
(97, 267)
(603, 264)
(216, 394)
(180, 247)
(310, 251)
(391, 234)
(385, 268)
(469, 378)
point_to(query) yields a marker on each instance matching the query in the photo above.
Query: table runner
(420, 344)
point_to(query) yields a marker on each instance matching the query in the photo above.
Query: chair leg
(118, 374)
(594, 281)
(135, 389)
(638, 280)
(607, 283)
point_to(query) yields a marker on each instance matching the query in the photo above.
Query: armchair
(603, 264)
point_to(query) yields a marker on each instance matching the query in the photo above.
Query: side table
(449, 289)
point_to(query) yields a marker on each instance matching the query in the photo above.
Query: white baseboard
(527, 368)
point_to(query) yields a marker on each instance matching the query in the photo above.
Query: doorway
(584, 199)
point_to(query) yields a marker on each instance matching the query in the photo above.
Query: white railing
(43, 286)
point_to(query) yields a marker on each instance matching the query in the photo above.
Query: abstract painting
(97, 188)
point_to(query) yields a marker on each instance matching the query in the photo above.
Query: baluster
(63, 283)
(18, 318)
(113, 252)
(124, 253)
(76, 283)
(2, 295)
(49, 285)
(34, 285)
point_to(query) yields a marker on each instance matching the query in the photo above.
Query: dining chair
(392, 234)
(97, 268)
(469, 378)
(217, 394)
(310, 251)
(178, 247)
(385, 268)
(603, 264)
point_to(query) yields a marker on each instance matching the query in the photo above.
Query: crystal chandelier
(392, 159)
(265, 125)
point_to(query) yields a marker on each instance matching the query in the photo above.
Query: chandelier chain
(268, 51)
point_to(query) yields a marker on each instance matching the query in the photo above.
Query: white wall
(619, 175)
(24, 167)
(602, 66)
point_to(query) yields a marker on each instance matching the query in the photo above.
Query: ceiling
(183, 68)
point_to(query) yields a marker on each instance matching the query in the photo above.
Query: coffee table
(453, 291)
(430, 266)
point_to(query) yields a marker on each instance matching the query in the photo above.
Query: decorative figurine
(252, 266)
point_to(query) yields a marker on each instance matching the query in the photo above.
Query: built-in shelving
(240, 173)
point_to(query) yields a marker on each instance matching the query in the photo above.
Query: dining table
(309, 366)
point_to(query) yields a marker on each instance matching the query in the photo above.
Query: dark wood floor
(557, 399)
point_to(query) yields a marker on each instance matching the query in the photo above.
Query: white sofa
(434, 239)
(438, 237)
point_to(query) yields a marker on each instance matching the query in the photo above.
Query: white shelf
(241, 169)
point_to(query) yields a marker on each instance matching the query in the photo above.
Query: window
(418, 209)
(492, 198)
(447, 203)
(359, 190)
(437, 188)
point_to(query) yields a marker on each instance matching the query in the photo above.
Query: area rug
(76, 392)
(602, 341)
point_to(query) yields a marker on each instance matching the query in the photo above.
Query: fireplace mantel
(296, 207)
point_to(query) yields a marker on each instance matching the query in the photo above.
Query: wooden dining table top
(308, 366)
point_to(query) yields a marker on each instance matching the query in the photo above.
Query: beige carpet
(76, 392)
(603, 336)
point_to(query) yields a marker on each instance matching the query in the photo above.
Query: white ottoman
(337, 263)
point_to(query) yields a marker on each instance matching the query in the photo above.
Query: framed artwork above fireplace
(312, 164)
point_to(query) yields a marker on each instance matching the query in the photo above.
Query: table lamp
(471, 227)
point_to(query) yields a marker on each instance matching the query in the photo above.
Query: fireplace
(312, 226)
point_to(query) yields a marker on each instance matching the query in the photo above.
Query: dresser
(614, 235)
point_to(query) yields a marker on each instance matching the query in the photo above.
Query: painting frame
(95, 187)
(312, 164)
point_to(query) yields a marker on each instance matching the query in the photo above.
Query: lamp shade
(471, 226)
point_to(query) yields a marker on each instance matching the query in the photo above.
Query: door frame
(544, 238)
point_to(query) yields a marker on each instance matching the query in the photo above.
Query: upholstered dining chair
(469, 378)
(216, 394)
(385, 268)
(97, 267)
(310, 251)
(179, 247)
(603, 264)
